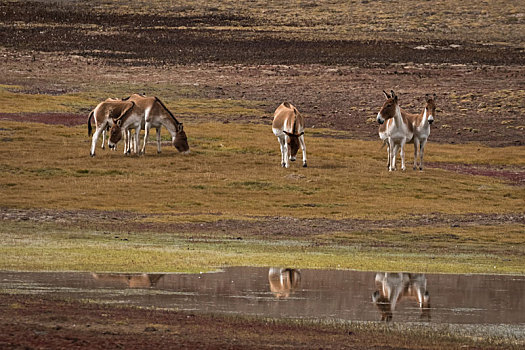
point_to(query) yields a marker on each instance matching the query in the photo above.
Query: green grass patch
(49, 247)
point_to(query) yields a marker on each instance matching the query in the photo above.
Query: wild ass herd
(137, 112)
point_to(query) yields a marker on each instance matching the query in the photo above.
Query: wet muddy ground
(262, 227)
(160, 308)
(293, 293)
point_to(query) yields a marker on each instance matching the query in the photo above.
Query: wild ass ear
(387, 96)
(119, 123)
(435, 97)
(181, 127)
(394, 96)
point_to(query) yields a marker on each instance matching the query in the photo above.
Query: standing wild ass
(395, 130)
(421, 125)
(105, 114)
(150, 112)
(288, 126)
(399, 127)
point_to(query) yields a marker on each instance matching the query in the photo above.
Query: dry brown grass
(234, 170)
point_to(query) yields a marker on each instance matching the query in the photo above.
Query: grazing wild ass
(399, 127)
(150, 112)
(288, 126)
(105, 114)
(283, 281)
(394, 287)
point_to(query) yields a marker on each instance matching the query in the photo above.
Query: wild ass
(407, 127)
(150, 112)
(396, 129)
(394, 287)
(105, 114)
(421, 125)
(288, 126)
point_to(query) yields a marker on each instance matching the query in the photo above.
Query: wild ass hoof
(283, 165)
(91, 154)
(304, 165)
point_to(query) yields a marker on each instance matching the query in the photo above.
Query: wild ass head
(389, 108)
(115, 133)
(180, 142)
(430, 109)
(293, 144)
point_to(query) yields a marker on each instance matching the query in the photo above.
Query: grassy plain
(233, 173)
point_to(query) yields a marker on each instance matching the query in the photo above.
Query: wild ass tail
(294, 127)
(90, 129)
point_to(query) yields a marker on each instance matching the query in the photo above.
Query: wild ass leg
(416, 146)
(94, 141)
(388, 154)
(303, 148)
(104, 138)
(127, 140)
(158, 140)
(146, 134)
(137, 140)
(393, 157)
(284, 150)
(421, 151)
(402, 155)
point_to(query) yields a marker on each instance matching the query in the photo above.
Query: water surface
(315, 294)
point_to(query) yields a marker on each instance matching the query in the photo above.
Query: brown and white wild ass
(105, 114)
(394, 287)
(399, 127)
(150, 112)
(395, 129)
(288, 126)
(421, 125)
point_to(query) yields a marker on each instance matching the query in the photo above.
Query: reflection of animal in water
(394, 287)
(143, 280)
(283, 281)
